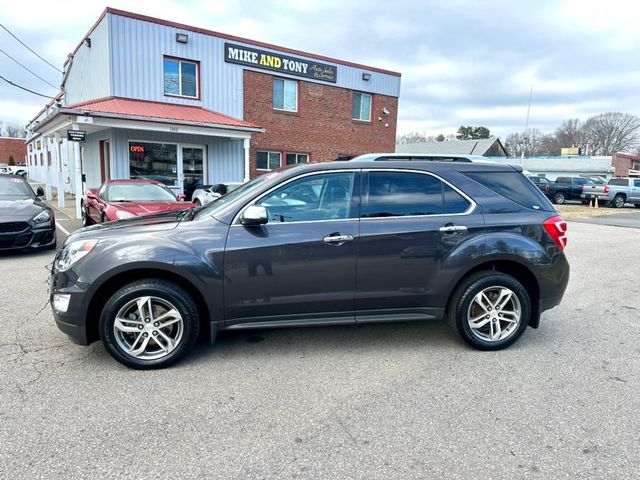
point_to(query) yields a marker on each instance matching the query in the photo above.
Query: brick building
(187, 106)
(623, 163)
(12, 147)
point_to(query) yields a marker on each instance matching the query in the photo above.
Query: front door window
(192, 168)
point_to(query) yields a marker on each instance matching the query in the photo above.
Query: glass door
(192, 174)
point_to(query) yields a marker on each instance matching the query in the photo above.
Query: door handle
(453, 228)
(337, 239)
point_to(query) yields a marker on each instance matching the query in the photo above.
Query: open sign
(137, 149)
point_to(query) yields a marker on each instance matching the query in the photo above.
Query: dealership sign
(276, 62)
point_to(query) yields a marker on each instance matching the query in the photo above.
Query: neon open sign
(137, 149)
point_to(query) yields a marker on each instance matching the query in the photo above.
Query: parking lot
(383, 401)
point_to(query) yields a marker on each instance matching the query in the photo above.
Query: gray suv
(337, 243)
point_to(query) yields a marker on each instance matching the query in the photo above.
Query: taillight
(556, 227)
(606, 189)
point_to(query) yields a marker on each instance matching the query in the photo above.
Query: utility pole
(526, 125)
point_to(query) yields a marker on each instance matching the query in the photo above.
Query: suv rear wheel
(149, 324)
(489, 310)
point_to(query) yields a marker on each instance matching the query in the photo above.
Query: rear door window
(401, 194)
(514, 186)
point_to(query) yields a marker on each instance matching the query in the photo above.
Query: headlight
(43, 216)
(122, 214)
(73, 252)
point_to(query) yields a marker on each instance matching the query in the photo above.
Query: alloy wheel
(494, 314)
(148, 328)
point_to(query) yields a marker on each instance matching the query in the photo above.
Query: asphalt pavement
(382, 401)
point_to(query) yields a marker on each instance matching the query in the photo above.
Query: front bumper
(73, 321)
(31, 238)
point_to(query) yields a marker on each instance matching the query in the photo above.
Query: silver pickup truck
(616, 193)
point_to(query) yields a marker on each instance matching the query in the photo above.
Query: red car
(120, 199)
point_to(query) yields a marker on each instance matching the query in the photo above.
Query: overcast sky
(462, 61)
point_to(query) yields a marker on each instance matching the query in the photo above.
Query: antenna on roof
(526, 125)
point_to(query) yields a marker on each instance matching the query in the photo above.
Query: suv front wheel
(149, 324)
(489, 310)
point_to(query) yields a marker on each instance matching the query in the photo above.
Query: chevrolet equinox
(335, 243)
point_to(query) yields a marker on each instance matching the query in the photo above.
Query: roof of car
(136, 180)
(404, 165)
(425, 156)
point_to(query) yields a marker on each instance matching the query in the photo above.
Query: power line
(25, 89)
(30, 71)
(30, 49)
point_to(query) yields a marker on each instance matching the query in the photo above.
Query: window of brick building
(268, 160)
(361, 107)
(285, 95)
(293, 158)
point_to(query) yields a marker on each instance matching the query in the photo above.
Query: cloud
(463, 62)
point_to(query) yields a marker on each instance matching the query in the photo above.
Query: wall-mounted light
(366, 77)
(385, 111)
(88, 41)
(182, 37)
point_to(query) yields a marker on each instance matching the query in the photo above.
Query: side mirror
(181, 197)
(39, 192)
(254, 215)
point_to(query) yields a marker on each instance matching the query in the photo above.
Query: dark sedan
(26, 222)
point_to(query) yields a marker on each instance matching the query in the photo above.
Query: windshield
(12, 188)
(217, 205)
(139, 192)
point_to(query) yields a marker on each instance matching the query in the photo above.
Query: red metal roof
(143, 109)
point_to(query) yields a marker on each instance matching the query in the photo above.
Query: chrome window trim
(236, 218)
(468, 211)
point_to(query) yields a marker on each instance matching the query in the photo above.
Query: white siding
(89, 74)
(138, 47)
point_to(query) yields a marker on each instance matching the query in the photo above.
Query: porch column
(77, 170)
(247, 157)
(47, 173)
(58, 151)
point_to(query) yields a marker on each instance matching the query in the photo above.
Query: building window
(154, 161)
(285, 95)
(268, 160)
(361, 107)
(293, 158)
(181, 77)
(41, 162)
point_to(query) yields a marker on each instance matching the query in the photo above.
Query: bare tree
(611, 132)
(412, 137)
(569, 133)
(440, 138)
(15, 130)
(532, 142)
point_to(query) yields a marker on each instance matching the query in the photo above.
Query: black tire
(619, 200)
(585, 202)
(161, 289)
(86, 219)
(637, 205)
(559, 198)
(458, 308)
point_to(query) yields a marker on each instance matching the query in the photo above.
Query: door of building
(105, 161)
(191, 169)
